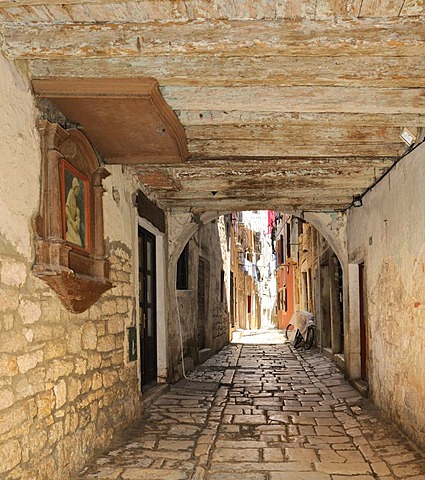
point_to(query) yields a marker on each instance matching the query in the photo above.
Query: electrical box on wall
(132, 344)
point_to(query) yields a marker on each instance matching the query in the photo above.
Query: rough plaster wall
(19, 181)
(206, 243)
(224, 311)
(333, 227)
(65, 386)
(388, 233)
(213, 240)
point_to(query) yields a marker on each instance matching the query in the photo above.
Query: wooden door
(147, 299)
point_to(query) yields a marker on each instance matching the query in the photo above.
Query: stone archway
(332, 226)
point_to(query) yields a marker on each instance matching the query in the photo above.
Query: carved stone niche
(70, 247)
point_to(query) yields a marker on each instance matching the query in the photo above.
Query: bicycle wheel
(298, 339)
(289, 330)
(310, 338)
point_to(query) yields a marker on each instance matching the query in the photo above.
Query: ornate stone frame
(78, 275)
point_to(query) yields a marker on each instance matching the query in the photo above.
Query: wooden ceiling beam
(213, 70)
(261, 185)
(185, 10)
(231, 182)
(333, 195)
(257, 147)
(297, 99)
(239, 204)
(49, 3)
(359, 37)
(330, 119)
(248, 165)
(296, 134)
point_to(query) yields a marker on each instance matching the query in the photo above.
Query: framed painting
(75, 193)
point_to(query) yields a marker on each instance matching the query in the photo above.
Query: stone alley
(261, 412)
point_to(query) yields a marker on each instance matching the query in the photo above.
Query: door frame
(354, 347)
(161, 307)
(363, 324)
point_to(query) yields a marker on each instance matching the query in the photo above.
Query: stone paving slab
(261, 412)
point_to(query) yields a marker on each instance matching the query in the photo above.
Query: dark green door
(147, 299)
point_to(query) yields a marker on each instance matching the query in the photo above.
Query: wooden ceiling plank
(260, 182)
(243, 9)
(380, 8)
(385, 37)
(333, 195)
(239, 204)
(248, 165)
(43, 13)
(279, 184)
(296, 134)
(10, 3)
(224, 117)
(413, 8)
(337, 8)
(212, 9)
(20, 12)
(306, 203)
(297, 99)
(109, 12)
(59, 12)
(80, 13)
(254, 147)
(374, 71)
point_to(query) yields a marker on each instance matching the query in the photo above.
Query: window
(182, 278)
(280, 250)
(288, 240)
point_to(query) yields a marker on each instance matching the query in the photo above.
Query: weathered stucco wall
(205, 243)
(65, 384)
(388, 234)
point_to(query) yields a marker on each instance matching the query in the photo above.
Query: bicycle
(298, 336)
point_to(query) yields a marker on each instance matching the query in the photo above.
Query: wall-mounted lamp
(214, 193)
(357, 201)
(408, 137)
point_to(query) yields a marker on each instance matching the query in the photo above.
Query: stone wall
(65, 384)
(388, 234)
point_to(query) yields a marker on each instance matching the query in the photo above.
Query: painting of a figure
(75, 202)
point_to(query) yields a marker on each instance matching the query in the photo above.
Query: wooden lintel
(238, 204)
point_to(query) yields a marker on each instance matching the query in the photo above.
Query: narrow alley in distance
(261, 412)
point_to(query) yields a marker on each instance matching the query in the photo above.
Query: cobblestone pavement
(261, 412)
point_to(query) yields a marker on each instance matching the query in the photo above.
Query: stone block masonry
(65, 386)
